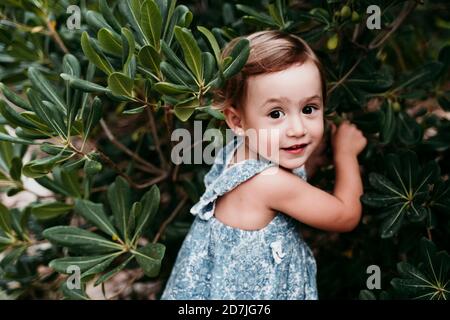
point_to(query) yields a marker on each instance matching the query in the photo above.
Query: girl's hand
(317, 159)
(347, 139)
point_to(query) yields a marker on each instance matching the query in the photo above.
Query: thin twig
(130, 181)
(345, 76)
(156, 138)
(54, 34)
(407, 9)
(377, 42)
(151, 168)
(170, 219)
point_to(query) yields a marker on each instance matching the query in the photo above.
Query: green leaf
(215, 113)
(184, 109)
(128, 47)
(389, 124)
(150, 257)
(83, 85)
(95, 20)
(108, 15)
(41, 84)
(150, 203)
(409, 131)
(239, 54)
(376, 200)
(77, 238)
(44, 211)
(15, 171)
(276, 14)
(37, 122)
(149, 58)
(429, 279)
(213, 43)
(100, 267)
(73, 294)
(109, 42)
(151, 22)
(94, 213)
(92, 116)
(440, 197)
(70, 180)
(5, 241)
(177, 76)
(261, 18)
(184, 113)
(174, 60)
(131, 9)
(6, 137)
(366, 295)
(41, 167)
(208, 66)
(14, 98)
(83, 263)
(12, 256)
(383, 185)
(394, 220)
(113, 272)
(101, 62)
(14, 119)
(425, 73)
(191, 51)
(170, 88)
(135, 110)
(5, 218)
(52, 185)
(119, 199)
(71, 65)
(120, 84)
(48, 113)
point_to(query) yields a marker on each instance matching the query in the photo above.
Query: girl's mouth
(296, 149)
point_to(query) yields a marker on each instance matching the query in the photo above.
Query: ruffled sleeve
(229, 179)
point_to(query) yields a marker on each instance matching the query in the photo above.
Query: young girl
(244, 242)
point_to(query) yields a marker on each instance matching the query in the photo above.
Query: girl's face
(288, 103)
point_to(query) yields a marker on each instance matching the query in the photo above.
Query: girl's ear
(233, 118)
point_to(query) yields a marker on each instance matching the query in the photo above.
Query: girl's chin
(292, 163)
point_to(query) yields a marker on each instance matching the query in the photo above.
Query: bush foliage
(87, 116)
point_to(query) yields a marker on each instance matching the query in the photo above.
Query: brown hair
(270, 51)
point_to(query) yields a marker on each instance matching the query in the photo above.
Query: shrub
(87, 116)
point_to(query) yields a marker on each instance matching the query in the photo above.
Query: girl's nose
(296, 128)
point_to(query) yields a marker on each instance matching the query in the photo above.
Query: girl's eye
(275, 114)
(309, 109)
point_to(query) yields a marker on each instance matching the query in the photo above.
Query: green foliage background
(88, 114)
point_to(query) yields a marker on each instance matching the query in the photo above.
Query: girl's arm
(340, 211)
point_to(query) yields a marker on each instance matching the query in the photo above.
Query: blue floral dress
(217, 261)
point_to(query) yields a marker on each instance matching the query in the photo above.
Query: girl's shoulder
(223, 177)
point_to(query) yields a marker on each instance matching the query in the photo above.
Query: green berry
(396, 106)
(346, 11)
(355, 16)
(333, 42)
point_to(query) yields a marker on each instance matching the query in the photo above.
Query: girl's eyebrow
(284, 99)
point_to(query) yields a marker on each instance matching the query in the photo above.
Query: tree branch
(54, 34)
(152, 124)
(170, 219)
(150, 167)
